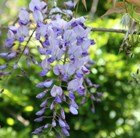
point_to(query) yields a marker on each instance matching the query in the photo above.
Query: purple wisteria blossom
(62, 42)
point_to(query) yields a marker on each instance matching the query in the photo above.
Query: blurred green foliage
(118, 113)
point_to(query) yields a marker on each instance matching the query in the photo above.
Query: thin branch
(121, 31)
(109, 30)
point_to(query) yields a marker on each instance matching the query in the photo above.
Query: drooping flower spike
(64, 44)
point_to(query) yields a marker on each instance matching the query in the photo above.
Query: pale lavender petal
(44, 103)
(65, 132)
(99, 94)
(75, 84)
(37, 131)
(74, 104)
(38, 17)
(73, 110)
(85, 70)
(40, 119)
(61, 123)
(48, 83)
(88, 81)
(11, 55)
(71, 95)
(46, 126)
(13, 29)
(58, 99)
(92, 42)
(56, 91)
(9, 43)
(24, 16)
(52, 105)
(15, 65)
(53, 123)
(3, 54)
(43, 72)
(44, 84)
(26, 51)
(2, 67)
(69, 4)
(40, 112)
(41, 50)
(41, 95)
(58, 69)
(62, 113)
(35, 4)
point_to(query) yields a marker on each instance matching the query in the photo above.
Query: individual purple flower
(38, 17)
(74, 104)
(43, 72)
(61, 123)
(92, 42)
(71, 95)
(62, 113)
(54, 123)
(58, 69)
(44, 103)
(13, 29)
(40, 112)
(74, 84)
(41, 95)
(37, 131)
(46, 126)
(81, 90)
(69, 37)
(79, 74)
(11, 55)
(93, 109)
(56, 91)
(69, 4)
(68, 69)
(2, 67)
(35, 5)
(85, 70)
(3, 54)
(24, 16)
(58, 99)
(26, 51)
(44, 84)
(40, 119)
(52, 106)
(9, 43)
(15, 65)
(22, 33)
(88, 81)
(51, 59)
(74, 51)
(99, 94)
(65, 132)
(45, 64)
(41, 30)
(73, 110)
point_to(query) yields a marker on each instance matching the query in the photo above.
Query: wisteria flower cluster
(64, 43)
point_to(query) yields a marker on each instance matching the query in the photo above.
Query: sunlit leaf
(118, 8)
